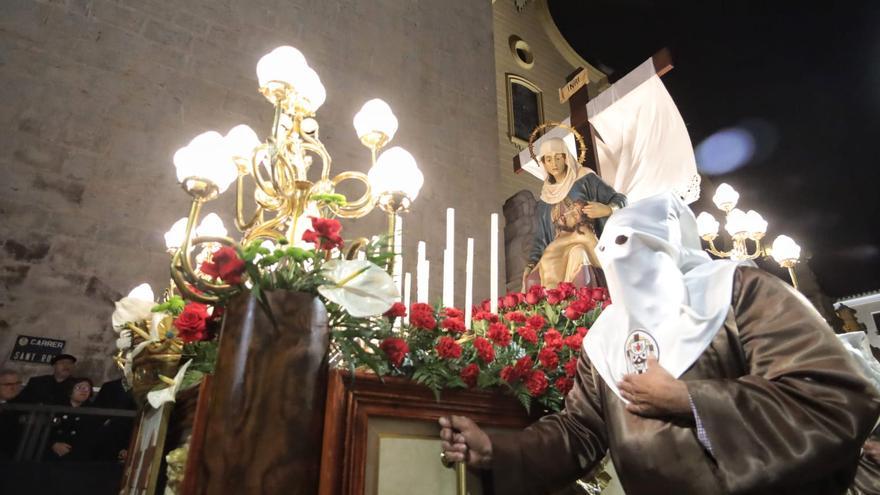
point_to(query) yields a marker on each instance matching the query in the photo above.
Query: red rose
(599, 293)
(397, 310)
(574, 342)
(548, 358)
(570, 368)
(508, 374)
(553, 339)
(453, 312)
(515, 316)
(447, 348)
(582, 331)
(528, 334)
(535, 295)
(566, 288)
(396, 349)
(554, 296)
(191, 323)
(509, 301)
(454, 325)
(469, 374)
(564, 384)
(486, 306)
(484, 349)
(499, 334)
(585, 293)
(537, 383)
(536, 321)
(524, 365)
(606, 303)
(572, 313)
(326, 233)
(479, 315)
(225, 264)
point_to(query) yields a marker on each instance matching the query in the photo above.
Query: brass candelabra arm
(240, 223)
(359, 207)
(712, 249)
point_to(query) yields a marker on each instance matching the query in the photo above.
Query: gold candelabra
(279, 168)
(742, 228)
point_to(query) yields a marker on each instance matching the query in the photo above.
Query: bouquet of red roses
(531, 347)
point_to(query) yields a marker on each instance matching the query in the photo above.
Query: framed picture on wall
(525, 109)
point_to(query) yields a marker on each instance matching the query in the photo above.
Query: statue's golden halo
(582, 156)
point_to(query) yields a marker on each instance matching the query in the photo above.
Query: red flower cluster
(397, 310)
(484, 349)
(515, 316)
(396, 350)
(548, 358)
(528, 334)
(225, 265)
(422, 315)
(326, 234)
(553, 339)
(536, 321)
(564, 384)
(192, 322)
(448, 348)
(453, 313)
(576, 341)
(499, 334)
(454, 325)
(537, 383)
(469, 374)
(480, 315)
(570, 368)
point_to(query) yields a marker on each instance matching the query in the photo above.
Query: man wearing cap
(51, 389)
(702, 377)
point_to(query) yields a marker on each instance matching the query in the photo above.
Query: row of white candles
(423, 270)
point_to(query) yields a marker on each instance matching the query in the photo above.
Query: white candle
(398, 254)
(425, 280)
(493, 263)
(447, 280)
(407, 285)
(449, 260)
(421, 274)
(469, 284)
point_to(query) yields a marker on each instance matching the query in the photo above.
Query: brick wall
(98, 94)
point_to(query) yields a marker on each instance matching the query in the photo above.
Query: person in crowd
(115, 432)
(10, 388)
(73, 435)
(50, 389)
(10, 385)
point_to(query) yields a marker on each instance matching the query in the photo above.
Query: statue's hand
(595, 209)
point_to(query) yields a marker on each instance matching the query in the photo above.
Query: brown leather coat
(784, 407)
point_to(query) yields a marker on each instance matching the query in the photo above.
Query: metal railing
(36, 421)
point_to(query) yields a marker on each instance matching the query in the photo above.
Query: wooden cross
(575, 91)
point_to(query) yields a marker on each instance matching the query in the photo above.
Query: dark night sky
(803, 82)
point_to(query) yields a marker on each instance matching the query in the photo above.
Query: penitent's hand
(655, 393)
(464, 441)
(61, 449)
(597, 210)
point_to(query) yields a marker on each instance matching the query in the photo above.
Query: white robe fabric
(663, 287)
(644, 148)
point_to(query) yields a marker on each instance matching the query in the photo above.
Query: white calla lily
(133, 308)
(158, 397)
(359, 286)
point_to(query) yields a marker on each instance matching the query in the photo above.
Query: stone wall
(98, 95)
